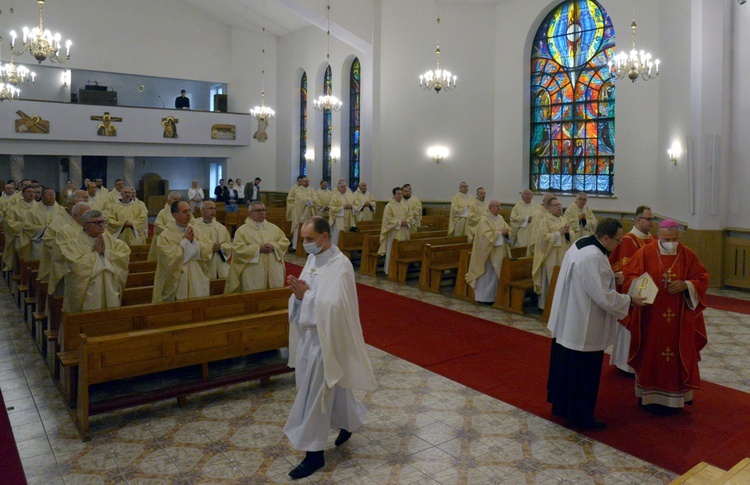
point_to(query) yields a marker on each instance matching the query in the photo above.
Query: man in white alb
(489, 249)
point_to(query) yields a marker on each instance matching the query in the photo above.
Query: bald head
(494, 207)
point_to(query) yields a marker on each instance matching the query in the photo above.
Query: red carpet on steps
(511, 365)
(11, 470)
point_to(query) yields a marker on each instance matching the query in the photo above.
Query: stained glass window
(303, 124)
(354, 77)
(327, 128)
(573, 101)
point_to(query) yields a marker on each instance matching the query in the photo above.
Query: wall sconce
(65, 77)
(437, 153)
(310, 156)
(674, 152)
(335, 154)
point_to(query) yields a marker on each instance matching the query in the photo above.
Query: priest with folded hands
(491, 245)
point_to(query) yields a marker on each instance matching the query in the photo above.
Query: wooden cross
(668, 277)
(668, 315)
(668, 353)
(105, 128)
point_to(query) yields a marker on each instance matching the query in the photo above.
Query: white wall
(739, 160)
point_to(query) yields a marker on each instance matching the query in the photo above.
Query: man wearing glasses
(583, 322)
(257, 254)
(638, 237)
(97, 264)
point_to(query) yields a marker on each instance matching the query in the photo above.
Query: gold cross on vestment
(668, 277)
(668, 315)
(668, 353)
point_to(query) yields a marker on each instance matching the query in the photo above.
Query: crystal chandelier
(41, 43)
(328, 101)
(437, 79)
(16, 75)
(634, 64)
(263, 112)
(8, 92)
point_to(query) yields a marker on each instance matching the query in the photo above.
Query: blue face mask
(312, 247)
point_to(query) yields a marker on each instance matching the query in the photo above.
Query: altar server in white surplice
(491, 246)
(364, 203)
(219, 236)
(258, 254)
(395, 226)
(326, 348)
(183, 254)
(97, 266)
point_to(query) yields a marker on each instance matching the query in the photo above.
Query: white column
(75, 170)
(16, 167)
(128, 171)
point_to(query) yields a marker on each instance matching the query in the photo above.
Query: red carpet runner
(511, 365)
(727, 304)
(11, 470)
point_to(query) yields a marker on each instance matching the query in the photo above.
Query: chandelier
(40, 42)
(327, 101)
(263, 112)
(636, 63)
(16, 75)
(437, 79)
(8, 92)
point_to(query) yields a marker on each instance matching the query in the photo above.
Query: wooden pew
(550, 294)
(24, 281)
(30, 300)
(141, 266)
(462, 290)
(515, 282)
(406, 253)
(39, 317)
(139, 295)
(370, 225)
(129, 354)
(151, 316)
(371, 243)
(351, 242)
(435, 222)
(436, 261)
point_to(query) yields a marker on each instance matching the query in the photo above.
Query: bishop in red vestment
(667, 336)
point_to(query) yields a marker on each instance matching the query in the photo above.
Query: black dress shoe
(593, 424)
(313, 462)
(343, 437)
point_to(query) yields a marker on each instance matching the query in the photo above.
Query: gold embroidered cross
(642, 287)
(668, 353)
(668, 277)
(668, 315)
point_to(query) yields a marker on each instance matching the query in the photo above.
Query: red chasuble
(667, 336)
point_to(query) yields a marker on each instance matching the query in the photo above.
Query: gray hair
(74, 199)
(254, 203)
(78, 209)
(90, 214)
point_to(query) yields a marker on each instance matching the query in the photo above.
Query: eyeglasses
(618, 240)
(98, 223)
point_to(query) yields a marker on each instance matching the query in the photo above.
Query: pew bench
(131, 354)
(405, 254)
(149, 316)
(436, 261)
(462, 290)
(515, 283)
(351, 242)
(139, 295)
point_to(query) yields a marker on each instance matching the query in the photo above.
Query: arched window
(354, 77)
(303, 124)
(573, 101)
(327, 128)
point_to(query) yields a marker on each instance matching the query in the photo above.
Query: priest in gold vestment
(364, 203)
(415, 206)
(491, 245)
(128, 218)
(17, 243)
(219, 236)
(477, 209)
(580, 217)
(459, 215)
(521, 217)
(183, 253)
(395, 226)
(553, 238)
(343, 214)
(41, 216)
(258, 254)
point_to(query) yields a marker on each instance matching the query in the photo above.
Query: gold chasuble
(668, 335)
(182, 267)
(415, 209)
(341, 219)
(580, 227)
(217, 232)
(459, 216)
(549, 252)
(15, 242)
(251, 269)
(93, 281)
(477, 209)
(539, 213)
(520, 225)
(489, 244)
(364, 213)
(119, 213)
(49, 241)
(391, 228)
(41, 216)
(323, 203)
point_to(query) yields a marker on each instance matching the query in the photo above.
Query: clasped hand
(298, 286)
(677, 286)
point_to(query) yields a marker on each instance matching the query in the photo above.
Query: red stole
(667, 337)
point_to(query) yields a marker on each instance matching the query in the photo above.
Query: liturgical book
(644, 286)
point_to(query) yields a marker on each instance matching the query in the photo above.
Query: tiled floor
(420, 428)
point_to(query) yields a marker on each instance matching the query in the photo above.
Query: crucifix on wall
(106, 128)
